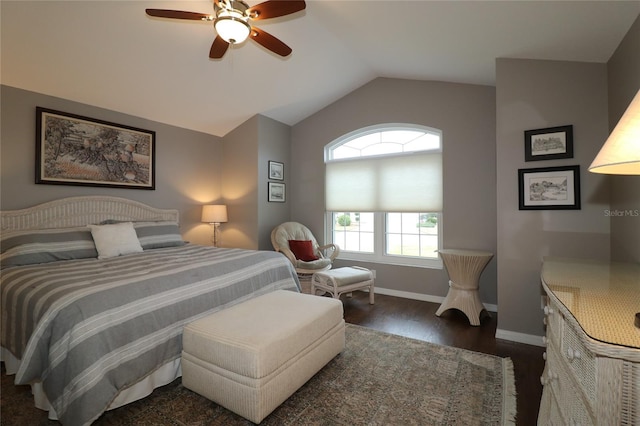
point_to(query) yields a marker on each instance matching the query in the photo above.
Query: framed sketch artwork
(548, 144)
(549, 188)
(76, 150)
(276, 170)
(276, 192)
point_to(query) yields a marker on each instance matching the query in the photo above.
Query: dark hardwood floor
(418, 320)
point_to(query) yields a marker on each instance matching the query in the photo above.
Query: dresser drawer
(555, 414)
(581, 362)
(630, 413)
(572, 406)
(554, 321)
(549, 409)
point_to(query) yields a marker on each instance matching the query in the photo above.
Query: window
(384, 194)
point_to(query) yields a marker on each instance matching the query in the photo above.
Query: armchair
(298, 244)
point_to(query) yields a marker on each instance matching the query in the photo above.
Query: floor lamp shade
(216, 213)
(620, 155)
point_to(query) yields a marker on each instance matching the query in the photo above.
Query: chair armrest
(335, 250)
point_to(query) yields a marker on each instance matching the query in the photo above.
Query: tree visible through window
(384, 194)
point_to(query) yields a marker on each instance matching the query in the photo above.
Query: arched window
(383, 193)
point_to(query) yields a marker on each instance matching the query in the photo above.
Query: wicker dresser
(592, 371)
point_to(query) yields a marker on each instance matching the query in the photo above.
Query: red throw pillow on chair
(303, 250)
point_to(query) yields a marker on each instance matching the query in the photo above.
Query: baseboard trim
(424, 297)
(529, 339)
(513, 336)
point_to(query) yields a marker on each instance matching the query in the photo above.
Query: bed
(91, 318)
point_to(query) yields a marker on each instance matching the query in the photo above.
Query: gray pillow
(34, 246)
(153, 235)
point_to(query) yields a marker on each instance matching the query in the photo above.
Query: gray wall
(275, 145)
(247, 152)
(465, 114)
(533, 95)
(189, 169)
(592, 97)
(188, 163)
(240, 186)
(624, 82)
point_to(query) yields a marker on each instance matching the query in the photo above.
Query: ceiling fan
(232, 22)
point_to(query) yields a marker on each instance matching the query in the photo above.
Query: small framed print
(277, 192)
(549, 188)
(548, 144)
(276, 170)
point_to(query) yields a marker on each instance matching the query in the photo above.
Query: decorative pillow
(303, 250)
(34, 246)
(115, 240)
(153, 235)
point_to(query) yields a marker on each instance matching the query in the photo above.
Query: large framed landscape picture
(549, 188)
(77, 150)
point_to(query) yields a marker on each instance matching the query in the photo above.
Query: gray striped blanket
(90, 328)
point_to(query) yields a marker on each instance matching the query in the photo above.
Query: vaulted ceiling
(112, 55)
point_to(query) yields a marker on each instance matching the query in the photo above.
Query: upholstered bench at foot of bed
(251, 357)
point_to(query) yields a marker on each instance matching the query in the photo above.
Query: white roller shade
(403, 183)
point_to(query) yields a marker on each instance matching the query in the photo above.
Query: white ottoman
(251, 357)
(344, 280)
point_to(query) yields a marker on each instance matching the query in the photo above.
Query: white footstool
(344, 280)
(251, 357)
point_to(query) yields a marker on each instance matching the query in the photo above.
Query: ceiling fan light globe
(232, 29)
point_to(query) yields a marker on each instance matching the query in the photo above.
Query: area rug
(379, 379)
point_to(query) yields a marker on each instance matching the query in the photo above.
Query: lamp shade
(232, 27)
(620, 154)
(215, 213)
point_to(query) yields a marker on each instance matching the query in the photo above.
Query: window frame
(377, 128)
(380, 235)
(380, 239)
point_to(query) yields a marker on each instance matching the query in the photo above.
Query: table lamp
(214, 214)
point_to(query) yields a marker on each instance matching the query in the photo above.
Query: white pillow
(115, 240)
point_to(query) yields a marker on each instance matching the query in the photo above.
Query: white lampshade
(215, 213)
(620, 154)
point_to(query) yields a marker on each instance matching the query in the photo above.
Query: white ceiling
(110, 54)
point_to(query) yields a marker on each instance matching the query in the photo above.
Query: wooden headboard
(81, 211)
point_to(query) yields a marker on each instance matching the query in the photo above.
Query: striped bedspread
(89, 328)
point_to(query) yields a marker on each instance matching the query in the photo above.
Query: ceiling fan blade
(270, 42)
(218, 48)
(179, 14)
(275, 8)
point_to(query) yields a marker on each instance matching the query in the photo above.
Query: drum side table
(464, 268)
